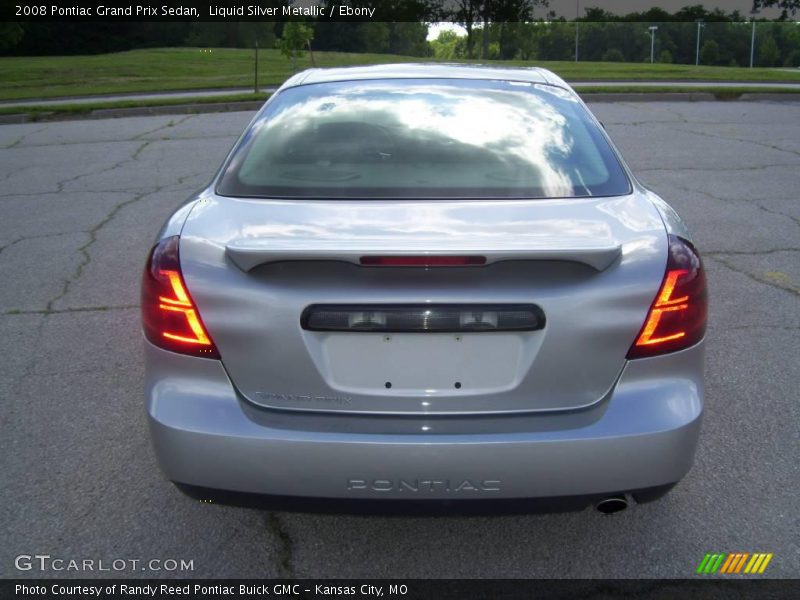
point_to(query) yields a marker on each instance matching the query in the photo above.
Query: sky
(566, 8)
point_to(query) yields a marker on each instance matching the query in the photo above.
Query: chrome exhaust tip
(612, 504)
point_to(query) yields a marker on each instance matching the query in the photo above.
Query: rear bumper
(405, 507)
(642, 436)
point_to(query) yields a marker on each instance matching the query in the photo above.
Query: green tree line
(496, 29)
(721, 43)
(64, 38)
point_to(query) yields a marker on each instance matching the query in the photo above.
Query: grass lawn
(190, 68)
(44, 112)
(68, 111)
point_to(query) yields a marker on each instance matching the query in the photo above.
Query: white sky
(567, 8)
(434, 29)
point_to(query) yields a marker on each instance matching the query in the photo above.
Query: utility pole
(255, 71)
(653, 29)
(753, 14)
(577, 34)
(700, 25)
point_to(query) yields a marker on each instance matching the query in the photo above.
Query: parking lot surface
(80, 203)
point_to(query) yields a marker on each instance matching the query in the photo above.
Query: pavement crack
(775, 282)
(728, 138)
(77, 309)
(744, 327)
(742, 200)
(180, 181)
(125, 141)
(12, 172)
(115, 191)
(717, 169)
(21, 138)
(653, 108)
(701, 192)
(678, 116)
(30, 365)
(86, 258)
(170, 123)
(84, 249)
(747, 252)
(16, 241)
(779, 213)
(133, 157)
(285, 550)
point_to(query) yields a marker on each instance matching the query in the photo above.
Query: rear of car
(412, 287)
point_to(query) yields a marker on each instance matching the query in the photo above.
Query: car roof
(426, 71)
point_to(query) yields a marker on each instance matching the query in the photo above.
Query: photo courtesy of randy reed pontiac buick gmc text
(199, 590)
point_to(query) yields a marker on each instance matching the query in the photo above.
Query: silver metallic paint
(638, 430)
(592, 317)
(644, 434)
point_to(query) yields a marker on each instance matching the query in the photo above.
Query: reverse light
(677, 317)
(170, 318)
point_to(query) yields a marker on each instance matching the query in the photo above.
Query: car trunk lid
(591, 266)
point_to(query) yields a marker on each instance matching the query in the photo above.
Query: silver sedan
(425, 282)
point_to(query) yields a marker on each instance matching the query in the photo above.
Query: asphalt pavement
(80, 203)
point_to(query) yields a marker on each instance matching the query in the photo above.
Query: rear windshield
(425, 138)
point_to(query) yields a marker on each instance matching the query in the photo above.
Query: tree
(469, 13)
(10, 34)
(342, 36)
(793, 60)
(408, 38)
(768, 52)
(374, 37)
(665, 57)
(598, 15)
(448, 45)
(654, 15)
(692, 13)
(295, 38)
(230, 34)
(206, 35)
(465, 13)
(556, 41)
(503, 13)
(787, 6)
(709, 53)
(613, 55)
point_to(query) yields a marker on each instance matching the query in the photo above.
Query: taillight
(677, 317)
(170, 318)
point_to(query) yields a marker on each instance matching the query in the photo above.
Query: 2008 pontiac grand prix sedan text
(425, 282)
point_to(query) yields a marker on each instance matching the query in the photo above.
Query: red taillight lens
(169, 317)
(677, 317)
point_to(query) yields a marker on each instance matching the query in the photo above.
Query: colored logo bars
(734, 563)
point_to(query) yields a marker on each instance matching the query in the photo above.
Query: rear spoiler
(252, 252)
